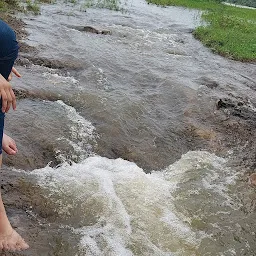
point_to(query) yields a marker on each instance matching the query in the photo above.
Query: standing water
(123, 133)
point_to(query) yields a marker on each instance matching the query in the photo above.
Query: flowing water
(126, 148)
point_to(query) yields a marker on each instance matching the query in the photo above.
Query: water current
(121, 138)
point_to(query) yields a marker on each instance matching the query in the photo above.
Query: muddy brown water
(134, 142)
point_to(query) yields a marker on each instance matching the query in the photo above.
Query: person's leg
(8, 49)
(9, 238)
(8, 53)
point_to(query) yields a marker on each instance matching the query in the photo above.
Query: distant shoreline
(239, 6)
(228, 29)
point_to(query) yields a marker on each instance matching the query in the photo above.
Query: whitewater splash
(118, 209)
(81, 136)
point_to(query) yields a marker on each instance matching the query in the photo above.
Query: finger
(4, 100)
(9, 77)
(8, 106)
(15, 72)
(14, 103)
(13, 147)
(9, 101)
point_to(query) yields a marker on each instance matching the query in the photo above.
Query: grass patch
(196, 4)
(230, 31)
(26, 6)
(32, 7)
(6, 5)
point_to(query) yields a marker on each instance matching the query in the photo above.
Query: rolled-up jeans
(8, 54)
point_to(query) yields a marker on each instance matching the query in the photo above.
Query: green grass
(26, 6)
(32, 7)
(196, 4)
(6, 5)
(230, 31)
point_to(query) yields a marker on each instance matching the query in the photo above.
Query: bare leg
(9, 239)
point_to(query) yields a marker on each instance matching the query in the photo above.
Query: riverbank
(16, 5)
(230, 31)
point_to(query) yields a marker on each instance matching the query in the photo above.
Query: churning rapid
(130, 138)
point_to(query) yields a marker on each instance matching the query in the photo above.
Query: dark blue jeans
(8, 54)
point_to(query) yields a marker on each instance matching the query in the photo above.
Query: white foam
(122, 209)
(82, 134)
(56, 79)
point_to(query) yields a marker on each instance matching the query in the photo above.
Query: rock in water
(92, 30)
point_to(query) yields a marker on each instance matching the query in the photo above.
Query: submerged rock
(70, 63)
(208, 82)
(92, 30)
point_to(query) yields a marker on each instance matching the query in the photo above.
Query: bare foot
(13, 242)
(9, 145)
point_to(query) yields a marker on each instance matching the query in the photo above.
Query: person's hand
(15, 72)
(7, 95)
(9, 145)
